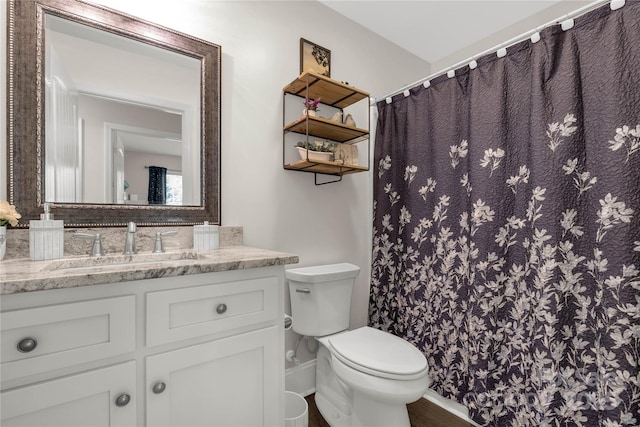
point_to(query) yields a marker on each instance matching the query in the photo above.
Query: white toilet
(364, 377)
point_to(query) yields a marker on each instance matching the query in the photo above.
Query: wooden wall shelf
(338, 96)
(328, 129)
(332, 92)
(327, 168)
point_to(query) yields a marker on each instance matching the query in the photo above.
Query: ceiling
(435, 29)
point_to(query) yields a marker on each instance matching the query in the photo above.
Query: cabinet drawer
(80, 400)
(181, 314)
(66, 335)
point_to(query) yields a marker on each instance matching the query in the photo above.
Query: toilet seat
(378, 353)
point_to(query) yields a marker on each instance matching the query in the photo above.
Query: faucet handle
(96, 249)
(158, 246)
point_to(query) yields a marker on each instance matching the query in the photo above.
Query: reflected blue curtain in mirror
(157, 185)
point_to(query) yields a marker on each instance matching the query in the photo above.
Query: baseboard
(449, 405)
(302, 378)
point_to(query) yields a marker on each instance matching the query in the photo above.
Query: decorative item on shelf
(346, 154)
(348, 120)
(8, 215)
(314, 151)
(311, 106)
(314, 58)
(337, 117)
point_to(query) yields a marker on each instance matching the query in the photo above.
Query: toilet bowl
(364, 377)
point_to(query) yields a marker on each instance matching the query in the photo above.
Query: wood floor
(421, 413)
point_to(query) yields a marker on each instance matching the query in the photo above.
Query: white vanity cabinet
(193, 350)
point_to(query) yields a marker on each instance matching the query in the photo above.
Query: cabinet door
(83, 400)
(228, 382)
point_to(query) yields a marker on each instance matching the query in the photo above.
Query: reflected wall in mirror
(99, 102)
(90, 99)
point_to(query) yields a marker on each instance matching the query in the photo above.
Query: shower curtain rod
(500, 49)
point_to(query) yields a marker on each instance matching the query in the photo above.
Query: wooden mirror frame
(26, 120)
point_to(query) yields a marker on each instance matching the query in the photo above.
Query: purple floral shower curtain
(506, 233)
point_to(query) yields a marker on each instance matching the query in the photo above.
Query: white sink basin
(123, 261)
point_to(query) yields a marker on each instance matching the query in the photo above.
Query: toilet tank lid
(323, 273)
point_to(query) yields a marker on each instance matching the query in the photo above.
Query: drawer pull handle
(221, 308)
(303, 291)
(123, 400)
(28, 344)
(159, 387)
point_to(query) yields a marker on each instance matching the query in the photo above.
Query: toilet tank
(321, 298)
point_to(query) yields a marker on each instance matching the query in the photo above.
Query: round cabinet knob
(123, 400)
(221, 308)
(28, 344)
(158, 387)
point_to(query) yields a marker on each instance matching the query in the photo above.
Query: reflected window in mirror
(174, 188)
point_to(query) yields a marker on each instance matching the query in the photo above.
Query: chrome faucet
(130, 240)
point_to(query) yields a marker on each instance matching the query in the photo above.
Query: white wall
(474, 47)
(282, 210)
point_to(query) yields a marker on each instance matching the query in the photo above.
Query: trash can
(296, 410)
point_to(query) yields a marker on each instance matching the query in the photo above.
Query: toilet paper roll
(288, 322)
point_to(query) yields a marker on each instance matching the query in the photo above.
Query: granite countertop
(22, 275)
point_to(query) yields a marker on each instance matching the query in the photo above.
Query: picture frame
(315, 58)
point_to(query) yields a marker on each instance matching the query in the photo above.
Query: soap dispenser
(46, 237)
(205, 237)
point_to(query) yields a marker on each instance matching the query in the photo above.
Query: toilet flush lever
(303, 291)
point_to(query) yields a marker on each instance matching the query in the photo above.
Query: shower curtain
(506, 240)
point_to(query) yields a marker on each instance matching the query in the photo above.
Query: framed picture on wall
(314, 58)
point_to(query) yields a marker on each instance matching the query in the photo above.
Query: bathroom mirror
(105, 110)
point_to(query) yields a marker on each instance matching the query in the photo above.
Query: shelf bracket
(315, 177)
